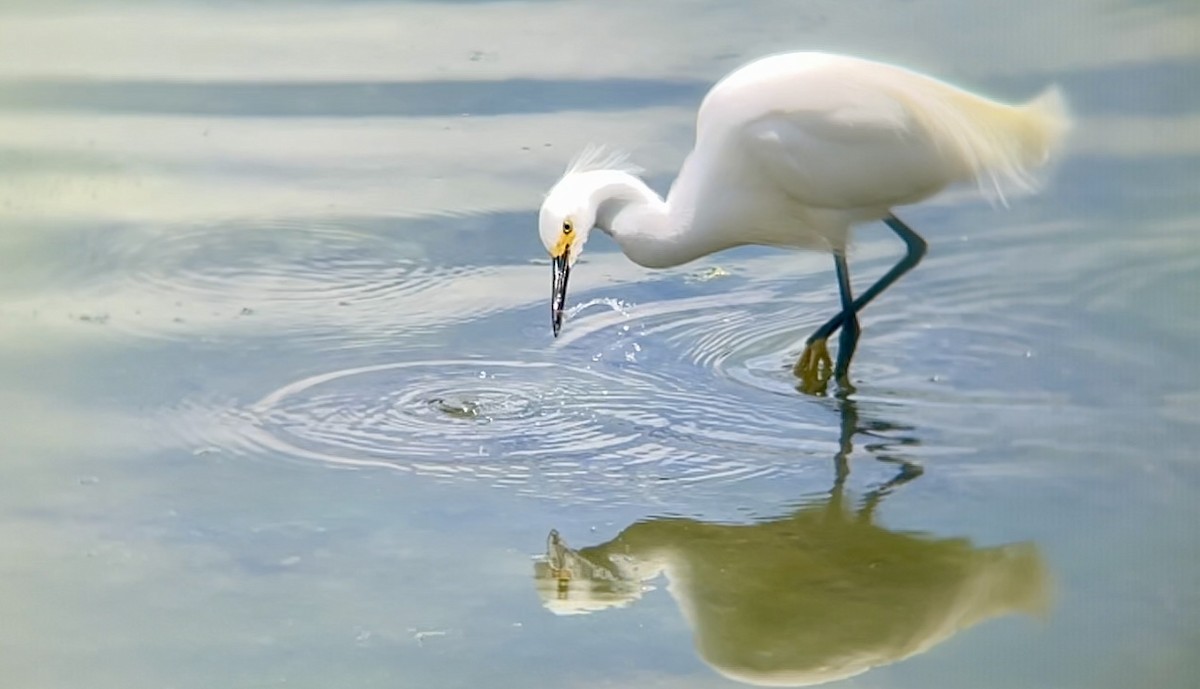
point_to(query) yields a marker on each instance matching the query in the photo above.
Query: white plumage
(793, 150)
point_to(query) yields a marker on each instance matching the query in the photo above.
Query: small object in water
(710, 273)
(421, 636)
(456, 407)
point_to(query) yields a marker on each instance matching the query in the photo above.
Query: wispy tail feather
(1019, 140)
(998, 146)
(1046, 121)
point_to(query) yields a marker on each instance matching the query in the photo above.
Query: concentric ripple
(275, 261)
(695, 388)
(437, 411)
(750, 331)
(319, 279)
(525, 424)
(746, 335)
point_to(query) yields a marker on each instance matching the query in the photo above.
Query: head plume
(569, 211)
(599, 157)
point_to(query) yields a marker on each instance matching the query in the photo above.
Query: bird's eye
(567, 227)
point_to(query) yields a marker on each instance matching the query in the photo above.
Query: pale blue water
(282, 408)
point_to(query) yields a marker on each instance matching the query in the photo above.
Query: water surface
(281, 404)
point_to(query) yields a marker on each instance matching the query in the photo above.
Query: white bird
(791, 151)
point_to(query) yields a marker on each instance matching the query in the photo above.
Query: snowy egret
(791, 151)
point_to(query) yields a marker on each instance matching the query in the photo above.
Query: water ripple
(694, 388)
(690, 389)
(524, 425)
(322, 281)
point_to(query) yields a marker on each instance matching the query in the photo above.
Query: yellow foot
(815, 368)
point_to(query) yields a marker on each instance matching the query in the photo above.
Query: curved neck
(639, 220)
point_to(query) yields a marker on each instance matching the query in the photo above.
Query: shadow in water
(820, 594)
(879, 445)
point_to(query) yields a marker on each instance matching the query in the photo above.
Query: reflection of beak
(561, 270)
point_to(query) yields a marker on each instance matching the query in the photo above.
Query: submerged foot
(815, 368)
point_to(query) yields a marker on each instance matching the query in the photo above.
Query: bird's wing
(847, 159)
(864, 150)
(843, 133)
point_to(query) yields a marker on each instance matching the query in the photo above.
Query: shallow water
(283, 408)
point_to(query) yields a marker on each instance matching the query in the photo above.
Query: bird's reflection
(820, 594)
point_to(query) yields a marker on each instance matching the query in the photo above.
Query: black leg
(916, 251)
(849, 337)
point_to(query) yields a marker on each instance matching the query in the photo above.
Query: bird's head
(570, 211)
(566, 218)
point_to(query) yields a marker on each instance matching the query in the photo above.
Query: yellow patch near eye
(560, 247)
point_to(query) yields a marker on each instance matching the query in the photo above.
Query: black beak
(561, 270)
